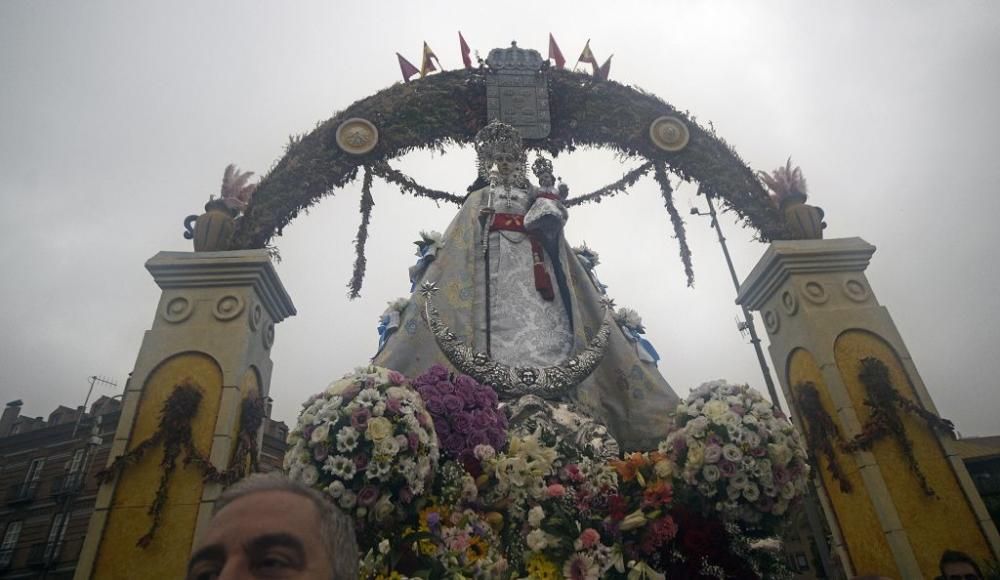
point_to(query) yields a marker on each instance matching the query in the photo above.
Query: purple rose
(438, 371)
(436, 406)
(359, 418)
(414, 441)
(368, 495)
(350, 392)
(393, 405)
(453, 403)
(467, 396)
(497, 438)
(424, 420)
(396, 378)
(462, 422)
(360, 461)
(728, 468)
(307, 431)
(321, 452)
(781, 476)
(738, 409)
(478, 437)
(405, 494)
(680, 445)
(467, 383)
(446, 388)
(758, 452)
(453, 442)
(713, 439)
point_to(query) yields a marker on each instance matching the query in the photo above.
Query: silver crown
(514, 59)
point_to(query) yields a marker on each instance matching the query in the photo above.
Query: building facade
(48, 483)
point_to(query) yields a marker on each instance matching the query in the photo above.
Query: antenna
(93, 380)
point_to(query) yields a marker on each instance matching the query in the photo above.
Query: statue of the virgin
(506, 300)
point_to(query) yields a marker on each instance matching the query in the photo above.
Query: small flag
(428, 63)
(587, 56)
(406, 67)
(602, 73)
(466, 51)
(554, 52)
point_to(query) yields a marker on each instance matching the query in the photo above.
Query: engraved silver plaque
(517, 91)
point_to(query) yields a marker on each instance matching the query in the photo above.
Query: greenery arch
(450, 108)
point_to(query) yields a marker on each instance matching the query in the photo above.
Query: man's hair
(956, 557)
(336, 529)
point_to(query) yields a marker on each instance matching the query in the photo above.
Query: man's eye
(204, 572)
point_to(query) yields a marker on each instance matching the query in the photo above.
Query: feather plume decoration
(236, 192)
(784, 182)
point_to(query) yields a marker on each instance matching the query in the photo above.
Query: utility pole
(747, 322)
(812, 511)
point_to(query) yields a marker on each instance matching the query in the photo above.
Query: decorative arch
(449, 108)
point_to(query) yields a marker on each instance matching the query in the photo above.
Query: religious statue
(506, 300)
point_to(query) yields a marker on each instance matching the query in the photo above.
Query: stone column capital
(787, 258)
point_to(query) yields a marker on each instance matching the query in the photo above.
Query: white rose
(696, 454)
(715, 410)
(309, 475)
(336, 489)
(320, 433)
(537, 540)
(664, 469)
(711, 473)
(751, 492)
(348, 499)
(535, 516)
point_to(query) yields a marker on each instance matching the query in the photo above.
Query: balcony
(22, 493)
(67, 484)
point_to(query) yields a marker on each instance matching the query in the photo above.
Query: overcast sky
(117, 119)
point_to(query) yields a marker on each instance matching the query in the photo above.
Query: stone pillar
(822, 319)
(214, 327)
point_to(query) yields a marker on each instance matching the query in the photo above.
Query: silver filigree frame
(552, 383)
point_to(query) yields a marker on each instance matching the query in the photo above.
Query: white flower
(377, 470)
(384, 508)
(751, 492)
(348, 500)
(537, 540)
(732, 452)
(309, 475)
(484, 452)
(715, 410)
(383, 547)
(535, 516)
(388, 447)
(711, 473)
(379, 409)
(368, 396)
(739, 480)
(663, 468)
(336, 489)
(340, 466)
(320, 433)
(696, 427)
(713, 453)
(347, 439)
(780, 453)
(695, 454)
(788, 491)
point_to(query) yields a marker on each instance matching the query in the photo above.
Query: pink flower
(589, 538)
(396, 378)
(556, 490)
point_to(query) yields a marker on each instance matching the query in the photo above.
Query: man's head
(957, 565)
(268, 526)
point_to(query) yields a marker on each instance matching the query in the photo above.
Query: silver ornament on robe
(552, 382)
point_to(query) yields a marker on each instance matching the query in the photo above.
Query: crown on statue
(514, 58)
(496, 139)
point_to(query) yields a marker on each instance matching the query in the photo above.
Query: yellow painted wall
(866, 544)
(933, 525)
(118, 556)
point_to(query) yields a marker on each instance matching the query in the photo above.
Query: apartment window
(76, 462)
(35, 470)
(56, 534)
(9, 543)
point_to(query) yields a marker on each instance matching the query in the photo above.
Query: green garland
(174, 433)
(627, 180)
(883, 400)
(360, 262)
(660, 174)
(449, 108)
(244, 460)
(821, 431)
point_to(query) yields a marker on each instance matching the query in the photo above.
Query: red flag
(406, 67)
(587, 56)
(466, 51)
(554, 52)
(602, 73)
(428, 63)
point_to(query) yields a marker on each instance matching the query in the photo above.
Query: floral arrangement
(589, 259)
(466, 414)
(736, 453)
(369, 443)
(505, 503)
(631, 325)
